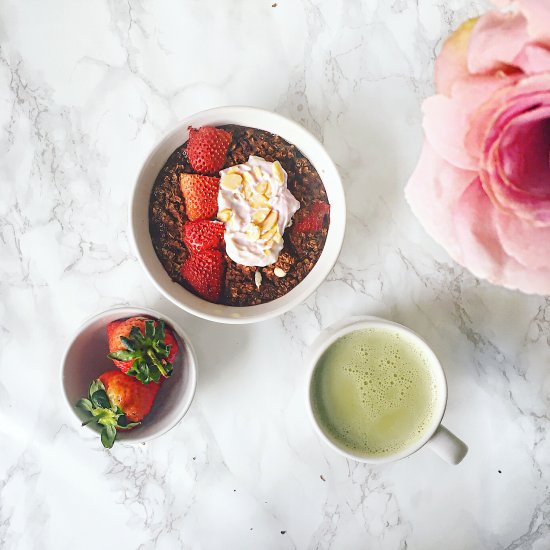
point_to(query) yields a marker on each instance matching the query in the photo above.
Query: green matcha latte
(374, 392)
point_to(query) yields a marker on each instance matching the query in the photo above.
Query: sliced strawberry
(203, 272)
(207, 148)
(202, 235)
(311, 218)
(201, 196)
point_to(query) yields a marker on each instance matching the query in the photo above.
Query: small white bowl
(254, 118)
(86, 358)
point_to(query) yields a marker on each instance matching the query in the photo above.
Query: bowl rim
(137, 310)
(233, 314)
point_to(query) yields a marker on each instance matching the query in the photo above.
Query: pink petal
(487, 113)
(480, 249)
(445, 125)
(447, 119)
(537, 13)
(533, 59)
(432, 192)
(451, 63)
(529, 245)
(455, 210)
(496, 41)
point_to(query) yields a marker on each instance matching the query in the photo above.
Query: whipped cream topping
(256, 207)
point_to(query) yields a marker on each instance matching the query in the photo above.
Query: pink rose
(482, 185)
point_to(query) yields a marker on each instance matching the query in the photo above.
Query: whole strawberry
(142, 347)
(117, 401)
(207, 149)
(202, 235)
(201, 196)
(204, 272)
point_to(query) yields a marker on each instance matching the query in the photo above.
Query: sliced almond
(248, 178)
(279, 272)
(247, 192)
(277, 238)
(260, 215)
(233, 170)
(231, 182)
(261, 187)
(225, 214)
(258, 279)
(259, 201)
(267, 235)
(253, 232)
(258, 172)
(270, 221)
(278, 172)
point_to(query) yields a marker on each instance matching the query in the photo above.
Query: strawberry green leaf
(125, 425)
(99, 399)
(90, 420)
(128, 343)
(84, 404)
(159, 331)
(144, 374)
(162, 347)
(103, 413)
(149, 330)
(96, 385)
(147, 351)
(129, 425)
(121, 355)
(108, 435)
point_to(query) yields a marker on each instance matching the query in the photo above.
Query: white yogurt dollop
(256, 207)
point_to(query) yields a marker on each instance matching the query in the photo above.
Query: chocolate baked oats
(304, 238)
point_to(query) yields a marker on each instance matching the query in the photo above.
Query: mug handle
(447, 446)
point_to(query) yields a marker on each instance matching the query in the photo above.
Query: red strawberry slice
(201, 196)
(207, 148)
(204, 272)
(202, 235)
(311, 218)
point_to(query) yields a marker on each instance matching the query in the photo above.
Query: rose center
(525, 152)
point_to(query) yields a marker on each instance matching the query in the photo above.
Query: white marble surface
(85, 90)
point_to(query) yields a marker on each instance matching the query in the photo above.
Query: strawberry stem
(157, 362)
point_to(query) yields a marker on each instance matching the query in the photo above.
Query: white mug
(436, 437)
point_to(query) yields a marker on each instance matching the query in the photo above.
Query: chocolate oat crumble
(301, 250)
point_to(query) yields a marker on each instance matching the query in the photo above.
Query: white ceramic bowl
(255, 118)
(86, 358)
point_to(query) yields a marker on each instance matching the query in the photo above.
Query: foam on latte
(374, 391)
